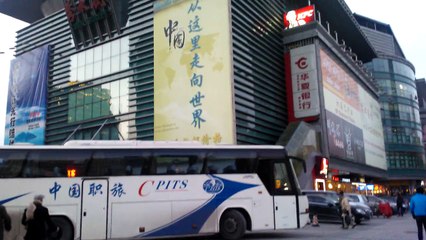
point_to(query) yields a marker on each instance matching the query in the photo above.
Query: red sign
(321, 166)
(299, 17)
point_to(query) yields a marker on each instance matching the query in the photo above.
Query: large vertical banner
(193, 84)
(354, 123)
(26, 101)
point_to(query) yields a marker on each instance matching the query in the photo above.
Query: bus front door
(94, 209)
(285, 207)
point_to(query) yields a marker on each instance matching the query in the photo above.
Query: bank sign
(303, 93)
(26, 100)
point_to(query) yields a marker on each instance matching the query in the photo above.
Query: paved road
(394, 228)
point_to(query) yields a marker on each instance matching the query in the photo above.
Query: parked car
(359, 211)
(330, 194)
(360, 200)
(325, 208)
(374, 202)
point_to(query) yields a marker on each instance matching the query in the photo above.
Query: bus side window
(11, 163)
(282, 181)
(195, 165)
(264, 169)
(178, 164)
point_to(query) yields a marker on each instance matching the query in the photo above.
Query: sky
(405, 20)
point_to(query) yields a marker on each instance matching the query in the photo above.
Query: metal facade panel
(258, 52)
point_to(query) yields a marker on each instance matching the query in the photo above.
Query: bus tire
(66, 229)
(232, 225)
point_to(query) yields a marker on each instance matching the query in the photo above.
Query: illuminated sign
(299, 17)
(304, 82)
(71, 173)
(322, 165)
(346, 180)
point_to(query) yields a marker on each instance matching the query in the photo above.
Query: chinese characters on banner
(304, 78)
(193, 88)
(26, 100)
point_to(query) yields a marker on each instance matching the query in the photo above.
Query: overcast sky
(405, 20)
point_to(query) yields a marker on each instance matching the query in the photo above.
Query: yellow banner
(193, 85)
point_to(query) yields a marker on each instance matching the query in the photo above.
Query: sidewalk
(394, 228)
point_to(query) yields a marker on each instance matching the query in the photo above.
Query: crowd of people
(417, 209)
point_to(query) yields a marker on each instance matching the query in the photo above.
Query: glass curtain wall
(400, 113)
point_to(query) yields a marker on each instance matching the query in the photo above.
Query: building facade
(395, 76)
(171, 70)
(105, 89)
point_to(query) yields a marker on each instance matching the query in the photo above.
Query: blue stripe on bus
(184, 225)
(12, 198)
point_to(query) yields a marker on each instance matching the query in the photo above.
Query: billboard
(299, 17)
(193, 83)
(354, 123)
(26, 101)
(304, 83)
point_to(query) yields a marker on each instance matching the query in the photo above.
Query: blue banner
(27, 97)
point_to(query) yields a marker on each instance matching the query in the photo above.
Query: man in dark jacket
(36, 217)
(5, 223)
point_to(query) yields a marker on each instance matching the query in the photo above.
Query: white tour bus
(135, 189)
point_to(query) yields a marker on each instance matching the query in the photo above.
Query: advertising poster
(193, 85)
(354, 124)
(26, 101)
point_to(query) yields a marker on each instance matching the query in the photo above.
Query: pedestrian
(399, 201)
(5, 223)
(345, 210)
(37, 220)
(418, 210)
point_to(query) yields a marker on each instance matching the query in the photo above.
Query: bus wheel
(232, 225)
(66, 231)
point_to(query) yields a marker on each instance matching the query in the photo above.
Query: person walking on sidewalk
(37, 220)
(418, 210)
(399, 202)
(345, 211)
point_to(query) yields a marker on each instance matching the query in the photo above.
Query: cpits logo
(302, 63)
(150, 186)
(213, 186)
